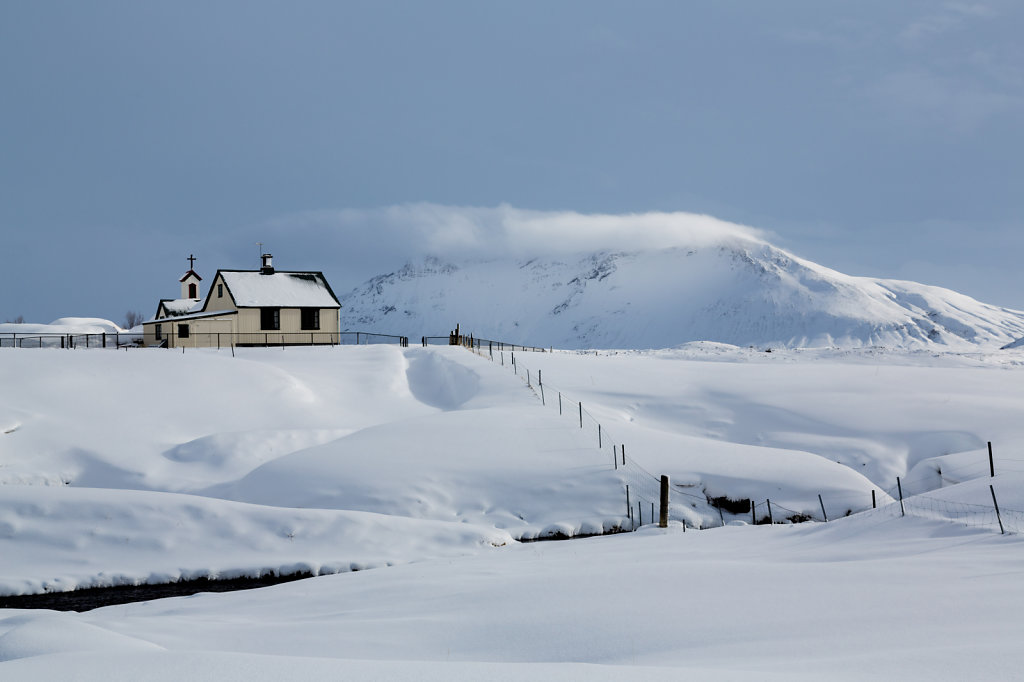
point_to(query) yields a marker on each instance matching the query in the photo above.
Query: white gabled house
(248, 308)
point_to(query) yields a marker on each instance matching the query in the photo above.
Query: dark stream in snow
(95, 597)
(90, 598)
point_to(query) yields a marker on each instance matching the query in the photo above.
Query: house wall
(291, 330)
(149, 334)
(223, 303)
(203, 332)
(243, 328)
(208, 332)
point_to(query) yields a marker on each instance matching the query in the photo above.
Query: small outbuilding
(248, 308)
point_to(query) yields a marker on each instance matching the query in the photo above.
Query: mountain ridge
(744, 292)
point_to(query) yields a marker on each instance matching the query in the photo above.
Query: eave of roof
(191, 316)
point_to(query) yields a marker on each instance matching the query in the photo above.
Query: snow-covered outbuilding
(248, 308)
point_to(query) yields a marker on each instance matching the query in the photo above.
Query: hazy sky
(875, 137)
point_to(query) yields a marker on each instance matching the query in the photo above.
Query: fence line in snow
(642, 489)
(169, 339)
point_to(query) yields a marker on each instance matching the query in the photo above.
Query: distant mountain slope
(741, 292)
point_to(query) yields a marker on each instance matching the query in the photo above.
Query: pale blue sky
(876, 137)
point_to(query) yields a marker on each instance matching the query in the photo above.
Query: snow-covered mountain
(737, 291)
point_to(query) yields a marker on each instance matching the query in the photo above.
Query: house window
(182, 331)
(270, 318)
(220, 291)
(192, 291)
(159, 332)
(310, 318)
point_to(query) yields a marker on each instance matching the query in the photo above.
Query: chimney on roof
(268, 264)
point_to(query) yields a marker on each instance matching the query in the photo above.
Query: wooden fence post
(873, 506)
(581, 415)
(663, 512)
(822, 508)
(615, 456)
(771, 521)
(998, 515)
(899, 486)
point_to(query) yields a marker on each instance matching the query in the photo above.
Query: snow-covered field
(427, 465)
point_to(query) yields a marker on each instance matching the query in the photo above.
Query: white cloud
(950, 17)
(415, 230)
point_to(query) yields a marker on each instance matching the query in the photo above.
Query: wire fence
(172, 339)
(971, 515)
(102, 340)
(457, 338)
(642, 489)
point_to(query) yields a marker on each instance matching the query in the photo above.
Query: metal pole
(991, 464)
(822, 508)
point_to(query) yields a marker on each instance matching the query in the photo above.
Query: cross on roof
(191, 261)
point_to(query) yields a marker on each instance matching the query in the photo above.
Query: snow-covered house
(248, 308)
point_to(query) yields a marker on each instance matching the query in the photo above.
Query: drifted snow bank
(63, 326)
(60, 539)
(441, 436)
(863, 597)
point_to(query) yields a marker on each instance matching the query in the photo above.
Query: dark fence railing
(457, 338)
(199, 340)
(102, 340)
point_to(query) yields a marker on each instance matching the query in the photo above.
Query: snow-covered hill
(423, 464)
(741, 291)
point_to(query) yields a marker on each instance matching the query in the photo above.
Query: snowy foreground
(427, 466)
